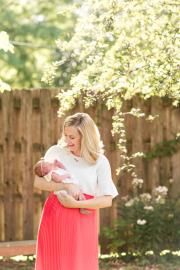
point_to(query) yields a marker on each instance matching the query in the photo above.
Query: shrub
(146, 223)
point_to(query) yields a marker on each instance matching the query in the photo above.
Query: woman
(68, 240)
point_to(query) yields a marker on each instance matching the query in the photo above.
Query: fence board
(156, 137)
(27, 186)
(165, 162)
(18, 208)
(2, 231)
(56, 122)
(1, 170)
(125, 178)
(175, 120)
(137, 142)
(9, 180)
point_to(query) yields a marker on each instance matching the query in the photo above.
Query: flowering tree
(120, 49)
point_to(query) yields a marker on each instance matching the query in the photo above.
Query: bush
(147, 225)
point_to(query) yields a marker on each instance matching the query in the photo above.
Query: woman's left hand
(67, 200)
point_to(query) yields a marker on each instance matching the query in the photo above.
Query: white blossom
(159, 199)
(145, 197)
(5, 44)
(141, 221)
(160, 194)
(138, 154)
(4, 86)
(164, 252)
(176, 253)
(162, 190)
(137, 182)
(149, 252)
(171, 180)
(129, 203)
(149, 208)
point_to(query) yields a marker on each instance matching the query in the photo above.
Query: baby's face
(46, 168)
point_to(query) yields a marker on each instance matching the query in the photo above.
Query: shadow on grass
(7, 264)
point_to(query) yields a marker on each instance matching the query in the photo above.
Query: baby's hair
(38, 169)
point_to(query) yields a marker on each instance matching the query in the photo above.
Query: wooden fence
(29, 125)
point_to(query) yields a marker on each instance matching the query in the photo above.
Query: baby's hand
(85, 211)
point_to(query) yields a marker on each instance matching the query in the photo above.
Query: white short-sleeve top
(95, 180)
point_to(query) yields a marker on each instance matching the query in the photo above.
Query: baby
(56, 171)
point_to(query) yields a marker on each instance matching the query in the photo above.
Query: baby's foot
(85, 211)
(59, 192)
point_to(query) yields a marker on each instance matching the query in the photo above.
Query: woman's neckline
(76, 158)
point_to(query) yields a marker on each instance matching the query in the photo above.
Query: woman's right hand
(73, 190)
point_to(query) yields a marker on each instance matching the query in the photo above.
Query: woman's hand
(67, 200)
(73, 190)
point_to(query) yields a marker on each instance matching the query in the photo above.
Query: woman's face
(73, 140)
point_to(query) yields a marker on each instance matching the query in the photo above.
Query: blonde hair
(91, 144)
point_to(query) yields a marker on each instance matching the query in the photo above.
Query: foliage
(147, 224)
(114, 262)
(166, 148)
(121, 49)
(5, 45)
(33, 27)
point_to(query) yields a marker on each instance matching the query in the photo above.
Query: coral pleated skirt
(67, 239)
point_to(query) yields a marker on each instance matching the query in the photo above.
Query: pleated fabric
(67, 239)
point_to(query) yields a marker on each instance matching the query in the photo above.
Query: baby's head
(42, 167)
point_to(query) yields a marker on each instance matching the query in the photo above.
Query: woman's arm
(42, 184)
(95, 203)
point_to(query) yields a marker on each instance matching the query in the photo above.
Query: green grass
(105, 264)
(143, 264)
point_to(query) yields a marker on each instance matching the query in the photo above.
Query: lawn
(9, 264)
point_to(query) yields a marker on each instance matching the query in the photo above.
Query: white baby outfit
(60, 171)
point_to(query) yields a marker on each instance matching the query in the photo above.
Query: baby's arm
(59, 178)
